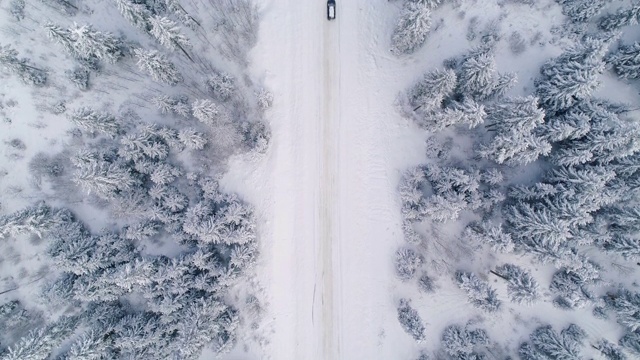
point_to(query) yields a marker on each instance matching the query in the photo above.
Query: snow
(326, 191)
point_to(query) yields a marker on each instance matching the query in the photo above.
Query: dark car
(331, 9)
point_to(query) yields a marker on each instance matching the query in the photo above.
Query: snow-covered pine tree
(547, 344)
(622, 17)
(426, 283)
(429, 93)
(28, 73)
(412, 28)
(477, 76)
(136, 13)
(182, 14)
(538, 230)
(164, 174)
(625, 246)
(625, 305)
(408, 262)
(93, 121)
(92, 345)
(61, 36)
(490, 233)
(168, 34)
(169, 104)
(79, 76)
(610, 351)
(515, 120)
(411, 321)
(208, 112)
(467, 112)
(140, 231)
(103, 178)
(192, 139)
(221, 85)
(158, 66)
(631, 342)
(570, 78)
(522, 287)
(581, 10)
(626, 61)
(570, 288)
(572, 125)
(479, 292)
(504, 83)
(461, 343)
(39, 344)
(144, 145)
(66, 7)
(89, 43)
(265, 98)
(38, 219)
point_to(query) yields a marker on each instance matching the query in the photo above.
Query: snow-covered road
(326, 192)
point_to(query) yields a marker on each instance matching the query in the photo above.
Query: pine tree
(479, 292)
(626, 61)
(158, 66)
(627, 247)
(60, 36)
(411, 321)
(631, 342)
(192, 139)
(144, 145)
(570, 78)
(168, 34)
(537, 229)
(477, 76)
(429, 93)
(547, 344)
(39, 344)
(610, 351)
(468, 112)
(572, 125)
(623, 17)
(570, 288)
(491, 234)
(626, 305)
(412, 28)
(265, 98)
(461, 343)
(38, 219)
(94, 121)
(515, 121)
(201, 324)
(79, 76)
(221, 85)
(581, 10)
(103, 178)
(165, 174)
(28, 73)
(408, 262)
(522, 287)
(137, 14)
(90, 346)
(88, 43)
(208, 112)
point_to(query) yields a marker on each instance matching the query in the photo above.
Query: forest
(142, 255)
(545, 194)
